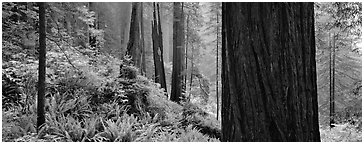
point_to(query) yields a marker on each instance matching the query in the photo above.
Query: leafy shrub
(199, 119)
(11, 93)
(76, 105)
(15, 124)
(191, 134)
(129, 72)
(62, 128)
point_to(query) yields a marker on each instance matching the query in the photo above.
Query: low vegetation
(86, 106)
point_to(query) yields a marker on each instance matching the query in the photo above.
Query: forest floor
(127, 108)
(139, 113)
(341, 133)
(102, 102)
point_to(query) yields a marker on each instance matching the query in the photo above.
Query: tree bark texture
(42, 66)
(178, 39)
(269, 72)
(135, 41)
(160, 76)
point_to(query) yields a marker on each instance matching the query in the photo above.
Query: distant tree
(178, 47)
(193, 42)
(42, 66)
(143, 49)
(134, 48)
(338, 31)
(331, 85)
(269, 72)
(158, 48)
(93, 25)
(183, 51)
(186, 51)
(213, 29)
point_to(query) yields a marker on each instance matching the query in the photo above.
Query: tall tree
(332, 80)
(269, 72)
(217, 66)
(158, 48)
(330, 85)
(343, 19)
(194, 19)
(213, 29)
(42, 66)
(143, 49)
(183, 52)
(92, 26)
(163, 74)
(186, 51)
(134, 48)
(178, 40)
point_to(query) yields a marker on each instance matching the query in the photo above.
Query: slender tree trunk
(333, 78)
(330, 84)
(191, 74)
(177, 76)
(134, 44)
(42, 66)
(155, 39)
(143, 69)
(333, 75)
(183, 65)
(217, 67)
(160, 36)
(185, 78)
(88, 26)
(92, 38)
(269, 72)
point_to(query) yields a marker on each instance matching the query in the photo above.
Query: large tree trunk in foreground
(178, 39)
(42, 66)
(135, 41)
(269, 72)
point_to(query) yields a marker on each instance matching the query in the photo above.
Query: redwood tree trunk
(134, 48)
(143, 61)
(269, 72)
(178, 39)
(160, 76)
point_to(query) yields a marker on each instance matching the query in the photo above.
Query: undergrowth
(90, 105)
(341, 133)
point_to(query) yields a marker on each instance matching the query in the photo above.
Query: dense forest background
(110, 72)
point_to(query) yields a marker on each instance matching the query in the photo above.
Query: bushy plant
(76, 105)
(15, 124)
(191, 134)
